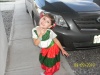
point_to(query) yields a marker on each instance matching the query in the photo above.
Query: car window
(30, 0)
(68, 0)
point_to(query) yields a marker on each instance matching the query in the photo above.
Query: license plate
(96, 39)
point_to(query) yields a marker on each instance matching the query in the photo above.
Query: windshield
(78, 5)
(69, 1)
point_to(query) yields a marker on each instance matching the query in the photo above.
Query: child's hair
(51, 17)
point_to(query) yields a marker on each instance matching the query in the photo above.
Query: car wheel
(34, 20)
(27, 10)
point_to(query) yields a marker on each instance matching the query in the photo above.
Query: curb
(66, 66)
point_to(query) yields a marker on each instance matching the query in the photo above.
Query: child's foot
(42, 73)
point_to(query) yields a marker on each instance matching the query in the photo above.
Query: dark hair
(51, 17)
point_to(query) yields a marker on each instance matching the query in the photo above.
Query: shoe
(42, 73)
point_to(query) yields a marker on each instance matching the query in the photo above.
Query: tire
(34, 20)
(26, 7)
(27, 10)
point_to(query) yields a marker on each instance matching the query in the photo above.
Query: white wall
(3, 47)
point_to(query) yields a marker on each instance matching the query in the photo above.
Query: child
(45, 38)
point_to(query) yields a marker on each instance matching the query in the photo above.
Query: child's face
(45, 22)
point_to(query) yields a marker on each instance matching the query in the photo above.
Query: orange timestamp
(84, 64)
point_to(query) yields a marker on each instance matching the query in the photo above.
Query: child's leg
(48, 73)
(50, 59)
(51, 70)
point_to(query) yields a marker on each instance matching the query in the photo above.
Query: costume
(50, 53)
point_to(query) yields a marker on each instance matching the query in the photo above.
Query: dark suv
(78, 21)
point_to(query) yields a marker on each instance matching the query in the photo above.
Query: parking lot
(82, 62)
(85, 62)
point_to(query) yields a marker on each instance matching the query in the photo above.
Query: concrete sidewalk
(23, 56)
(6, 6)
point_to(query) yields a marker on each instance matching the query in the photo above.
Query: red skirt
(50, 59)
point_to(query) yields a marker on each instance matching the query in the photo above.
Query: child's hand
(41, 32)
(65, 53)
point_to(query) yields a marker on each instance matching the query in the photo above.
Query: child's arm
(60, 46)
(38, 40)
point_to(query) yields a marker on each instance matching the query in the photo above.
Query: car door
(29, 6)
(36, 15)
